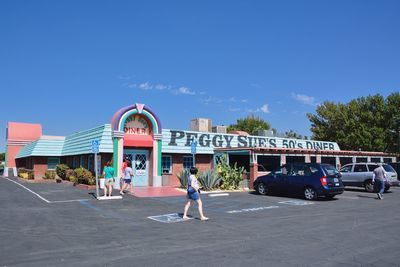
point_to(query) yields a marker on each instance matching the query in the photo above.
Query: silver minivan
(360, 174)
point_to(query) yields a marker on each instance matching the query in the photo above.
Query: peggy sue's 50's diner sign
(177, 141)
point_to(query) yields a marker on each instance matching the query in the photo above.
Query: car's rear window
(330, 170)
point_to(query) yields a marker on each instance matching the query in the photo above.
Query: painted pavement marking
(346, 197)
(218, 195)
(252, 209)
(36, 194)
(42, 198)
(296, 202)
(71, 200)
(109, 198)
(168, 218)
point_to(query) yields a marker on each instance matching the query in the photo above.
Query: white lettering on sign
(136, 125)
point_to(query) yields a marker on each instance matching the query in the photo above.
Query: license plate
(336, 184)
(336, 180)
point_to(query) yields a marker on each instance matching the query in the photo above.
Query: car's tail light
(323, 180)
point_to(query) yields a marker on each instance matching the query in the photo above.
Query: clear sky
(70, 65)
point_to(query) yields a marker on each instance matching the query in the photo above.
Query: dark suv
(312, 180)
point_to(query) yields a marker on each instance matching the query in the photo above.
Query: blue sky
(70, 65)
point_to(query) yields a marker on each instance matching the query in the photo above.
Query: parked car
(396, 167)
(311, 180)
(360, 174)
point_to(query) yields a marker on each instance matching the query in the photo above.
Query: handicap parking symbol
(167, 218)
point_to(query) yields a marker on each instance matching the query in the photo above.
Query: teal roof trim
(81, 142)
(75, 144)
(42, 147)
(27, 150)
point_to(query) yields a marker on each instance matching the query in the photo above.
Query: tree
(295, 135)
(2, 156)
(366, 123)
(250, 124)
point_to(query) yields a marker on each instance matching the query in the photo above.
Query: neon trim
(117, 123)
(159, 157)
(127, 114)
(116, 119)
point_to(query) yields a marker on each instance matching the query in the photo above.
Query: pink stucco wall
(18, 135)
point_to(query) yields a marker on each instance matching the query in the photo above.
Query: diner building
(158, 154)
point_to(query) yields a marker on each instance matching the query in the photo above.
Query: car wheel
(310, 193)
(262, 189)
(369, 186)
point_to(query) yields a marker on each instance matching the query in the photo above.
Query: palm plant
(183, 177)
(209, 180)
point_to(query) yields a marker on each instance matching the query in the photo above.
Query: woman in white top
(127, 175)
(193, 195)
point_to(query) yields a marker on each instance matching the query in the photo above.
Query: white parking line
(42, 198)
(348, 197)
(72, 200)
(252, 209)
(36, 194)
(296, 202)
(218, 195)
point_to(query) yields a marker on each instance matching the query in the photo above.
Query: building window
(90, 163)
(82, 162)
(187, 162)
(75, 164)
(52, 163)
(166, 164)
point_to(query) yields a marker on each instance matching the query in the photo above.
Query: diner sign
(177, 141)
(136, 125)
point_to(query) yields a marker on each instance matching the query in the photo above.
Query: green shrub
(84, 176)
(73, 179)
(26, 173)
(209, 180)
(183, 178)
(69, 173)
(61, 170)
(231, 175)
(92, 180)
(50, 174)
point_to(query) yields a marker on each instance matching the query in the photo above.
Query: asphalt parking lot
(60, 225)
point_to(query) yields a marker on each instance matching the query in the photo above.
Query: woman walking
(193, 195)
(128, 175)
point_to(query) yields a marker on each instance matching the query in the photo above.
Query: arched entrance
(137, 135)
